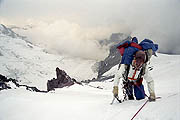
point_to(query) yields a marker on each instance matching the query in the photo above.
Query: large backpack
(125, 44)
(127, 50)
(149, 47)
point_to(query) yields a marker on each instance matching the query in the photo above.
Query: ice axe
(117, 98)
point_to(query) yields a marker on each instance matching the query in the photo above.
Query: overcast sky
(78, 20)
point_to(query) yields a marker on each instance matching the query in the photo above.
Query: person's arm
(150, 84)
(117, 78)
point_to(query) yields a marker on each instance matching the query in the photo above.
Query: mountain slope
(32, 65)
(84, 102)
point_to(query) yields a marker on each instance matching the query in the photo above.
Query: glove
(115, 91)
(152, 97)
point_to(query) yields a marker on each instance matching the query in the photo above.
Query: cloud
(72, 27)
(65, 37)
(0, 2)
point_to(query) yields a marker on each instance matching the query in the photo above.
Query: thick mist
(68, 38)
(74, 28)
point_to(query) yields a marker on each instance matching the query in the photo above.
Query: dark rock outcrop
(115, 38)
(4, 84)
(61, 81)
(113, 58)
(110, 61)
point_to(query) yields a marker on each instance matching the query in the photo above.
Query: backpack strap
(121, 46)
(133, 44)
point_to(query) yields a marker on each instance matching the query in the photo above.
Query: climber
(133, 69)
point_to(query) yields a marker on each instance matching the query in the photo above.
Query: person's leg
(129, 92)
(119, 74)
(150, 84)
(117, 78)
(139, 92)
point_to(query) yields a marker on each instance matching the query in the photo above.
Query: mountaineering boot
(152, 96)
(130, 97)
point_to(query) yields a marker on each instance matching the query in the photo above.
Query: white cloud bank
(74, 27)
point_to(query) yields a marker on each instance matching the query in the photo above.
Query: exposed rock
(110, 61)
(61, 81)
(7, 31)
(4, 84)
(115, 38)
(113, 58)
(3, 81)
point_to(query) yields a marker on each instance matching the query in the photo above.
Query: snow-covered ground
(32, 65)
(87, 103)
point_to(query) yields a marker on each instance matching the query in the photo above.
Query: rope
(142, 91)
(142, 105)
(139, 110)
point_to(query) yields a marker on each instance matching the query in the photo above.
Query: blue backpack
(148, 44)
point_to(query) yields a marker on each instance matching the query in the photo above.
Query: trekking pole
(112, 101)
(117, 98)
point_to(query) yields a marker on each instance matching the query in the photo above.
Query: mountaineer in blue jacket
(133, 68)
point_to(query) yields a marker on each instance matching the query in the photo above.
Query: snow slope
(88, 103)
(34, 66)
